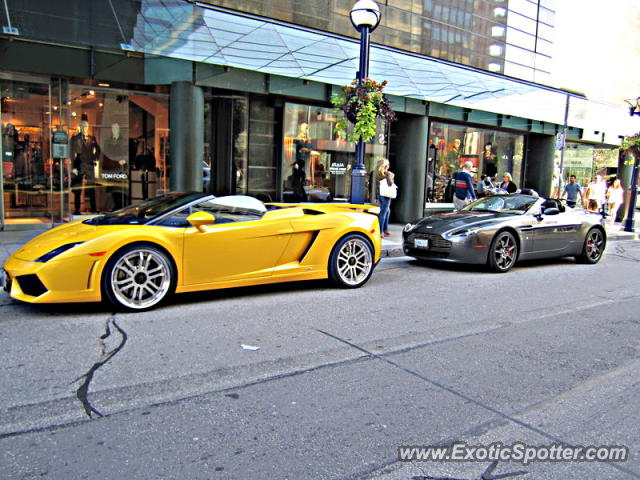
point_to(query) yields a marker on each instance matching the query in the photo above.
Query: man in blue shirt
(571, 191)
(464, 192)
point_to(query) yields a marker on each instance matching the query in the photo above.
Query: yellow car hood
(56, 237)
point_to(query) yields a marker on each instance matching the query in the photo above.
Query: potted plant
(362, 105)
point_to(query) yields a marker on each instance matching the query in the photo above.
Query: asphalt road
(422, 355)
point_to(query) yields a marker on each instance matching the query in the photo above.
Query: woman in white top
(615, 197)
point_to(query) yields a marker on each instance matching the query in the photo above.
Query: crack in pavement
(486, 475)
(622, 253)
(105, 357)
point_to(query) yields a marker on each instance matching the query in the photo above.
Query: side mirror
(200, 219)
(551, 211)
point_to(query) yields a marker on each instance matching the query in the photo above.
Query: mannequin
(9, 141)
(489, 161)
(452, 160)
(84, 153)
(115, 154)
(298, 181)
(303, 143)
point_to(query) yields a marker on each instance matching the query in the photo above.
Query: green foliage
(632, 144)
(362, 105)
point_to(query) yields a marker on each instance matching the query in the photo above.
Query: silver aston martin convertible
(502, 229)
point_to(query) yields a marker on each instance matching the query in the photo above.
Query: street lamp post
(629, 224)
(365, 17)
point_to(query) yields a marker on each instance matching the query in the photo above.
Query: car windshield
(141, 213)
(233, 208)
(502, 203)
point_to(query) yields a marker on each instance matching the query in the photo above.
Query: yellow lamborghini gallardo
(183, 242)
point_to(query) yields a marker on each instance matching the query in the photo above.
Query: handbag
(386, 190)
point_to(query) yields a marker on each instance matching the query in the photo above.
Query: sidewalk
(11, 240)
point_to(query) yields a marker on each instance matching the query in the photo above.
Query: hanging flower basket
(362, 105)
(632, 144)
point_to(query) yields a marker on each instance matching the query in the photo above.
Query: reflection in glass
(27, 175)
(316, 163)
(491, 152)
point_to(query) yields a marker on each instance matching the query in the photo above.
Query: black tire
(503, 252)
(351, 261)
(138, 277)
(593, 247)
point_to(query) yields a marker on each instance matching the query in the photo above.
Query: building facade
(109, 103)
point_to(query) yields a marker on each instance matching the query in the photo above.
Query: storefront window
(27, 174)
(118, 148)
(577, 160)
(492, 153)
(316, 164)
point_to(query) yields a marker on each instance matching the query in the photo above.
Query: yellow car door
(234, 251)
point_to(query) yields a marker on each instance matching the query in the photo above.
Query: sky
(597, 48)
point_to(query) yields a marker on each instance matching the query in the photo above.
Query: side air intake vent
(31, 285)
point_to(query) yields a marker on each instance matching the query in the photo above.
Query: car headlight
(408, 227)
(56, 251)
(463, 232)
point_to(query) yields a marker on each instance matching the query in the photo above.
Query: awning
(201, 33)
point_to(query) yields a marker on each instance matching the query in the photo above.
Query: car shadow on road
(470, 268)
(245, 292)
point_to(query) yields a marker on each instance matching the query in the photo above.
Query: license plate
(421, 242)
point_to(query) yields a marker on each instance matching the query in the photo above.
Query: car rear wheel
(138, 277)
(351, 261)
(593, 247)
(503, 252)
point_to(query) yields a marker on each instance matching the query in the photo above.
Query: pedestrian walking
(387, 191)
(615, 196)
(464, 192)
(571, 192)
(595, 193)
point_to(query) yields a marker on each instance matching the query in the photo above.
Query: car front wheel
(593, 247)
(138, 277)
(351, 261)
(503, 252)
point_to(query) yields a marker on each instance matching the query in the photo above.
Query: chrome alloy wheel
(505, 252)
(594, 245)
(354, 262)
(140, 278)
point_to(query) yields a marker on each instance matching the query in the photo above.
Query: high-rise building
(218, 95)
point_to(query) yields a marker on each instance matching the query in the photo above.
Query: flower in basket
(632, 144)
(362, 106)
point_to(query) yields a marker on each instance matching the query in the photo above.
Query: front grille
(423, 253)
(435, 240)
(31, 285)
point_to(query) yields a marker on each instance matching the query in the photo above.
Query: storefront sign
(338, 168)
(60, 145)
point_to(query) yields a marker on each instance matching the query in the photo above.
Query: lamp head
(365, 13)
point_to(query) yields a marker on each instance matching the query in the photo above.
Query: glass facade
(316, 163)
(493, 153)
(119, 143)
(506, 36)
(72, 149)
(31, 180)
